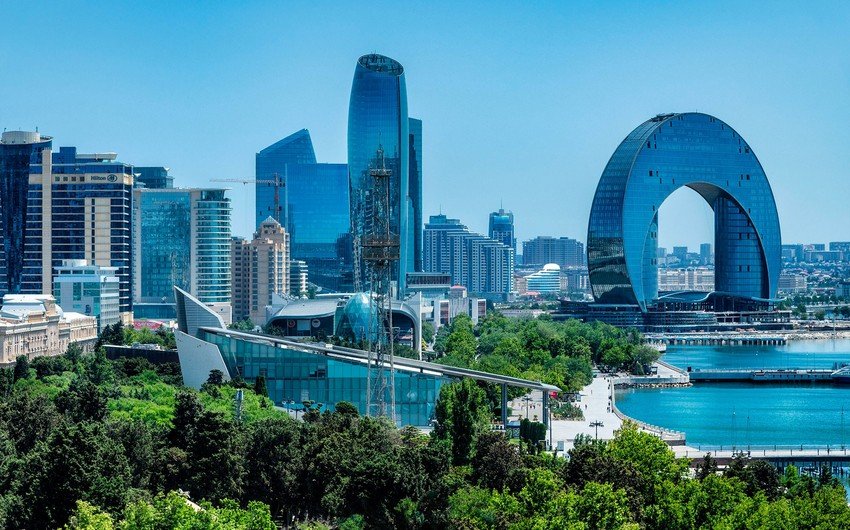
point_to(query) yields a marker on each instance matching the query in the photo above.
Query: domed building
(357, 320)
(547, 280)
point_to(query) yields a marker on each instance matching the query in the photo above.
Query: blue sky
(522, 104)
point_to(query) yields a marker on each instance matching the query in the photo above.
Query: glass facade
(164, 239)
(377, 118)
(660, 156)
(415, 193)
(182, 239)
(501, 228)
(16, 156)
(153, 177)
(316, 210)
(293, 375)
(87, 212)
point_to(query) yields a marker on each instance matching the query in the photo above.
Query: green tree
(461, 343)
(462, 415)
(273, 471)
(22, 367)
(260, 386)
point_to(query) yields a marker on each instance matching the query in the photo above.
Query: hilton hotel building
(64, 205)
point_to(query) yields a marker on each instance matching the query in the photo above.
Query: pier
(778, 375)
(719, 339)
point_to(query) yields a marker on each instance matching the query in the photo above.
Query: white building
(33, 325)
(88, 289)
(686, 279)
(547, 280)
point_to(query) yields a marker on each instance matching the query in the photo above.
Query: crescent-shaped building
(657, 158)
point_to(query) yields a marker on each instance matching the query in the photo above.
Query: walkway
(595, 405)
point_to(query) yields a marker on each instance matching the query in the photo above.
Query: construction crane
(277, 182)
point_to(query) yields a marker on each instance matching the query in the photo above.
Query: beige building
(260, 268)
(33, 325)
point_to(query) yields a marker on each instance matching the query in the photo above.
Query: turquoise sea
(750, 414)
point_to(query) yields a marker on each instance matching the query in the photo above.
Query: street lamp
(597, 424)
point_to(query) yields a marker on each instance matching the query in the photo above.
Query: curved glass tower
(377, 118)
(657, 158)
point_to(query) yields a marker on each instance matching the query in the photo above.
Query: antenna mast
(380, 250)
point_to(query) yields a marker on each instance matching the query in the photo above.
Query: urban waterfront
(744, 414)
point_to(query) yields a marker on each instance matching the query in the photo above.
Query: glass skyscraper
(18, 151)
(315, 208)
(377, 119)
(415, 193)
(153, 177)
(501, 228)
(62, 206)
(182, 238)
(660, 156)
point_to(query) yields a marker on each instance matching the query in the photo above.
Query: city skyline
(482, 129)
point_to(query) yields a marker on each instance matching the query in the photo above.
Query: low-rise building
(92, 290)
(34, 326)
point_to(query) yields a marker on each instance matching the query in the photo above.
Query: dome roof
(551, 267)
(359, 319)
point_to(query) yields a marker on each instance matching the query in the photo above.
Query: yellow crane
(278, 183)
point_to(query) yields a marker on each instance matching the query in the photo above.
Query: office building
(622, 250)
(545, 281)
(181, 238)
(482, 265)
(415, 189)
(501, 228)
(263, 270)
(792, 253)
(33, 326)
(562, 251)
(62, 206)
(660, 156)
(153, 177)
(19, 151)
(91, 290)
(681, 254)
(378, 122)
(840, 246)
(315, 209)
(298, 277)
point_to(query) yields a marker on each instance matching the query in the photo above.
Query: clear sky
(522, 103)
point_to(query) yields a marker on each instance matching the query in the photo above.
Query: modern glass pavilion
(301, 371)
(657, 158)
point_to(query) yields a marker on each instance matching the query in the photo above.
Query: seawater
(750, 413)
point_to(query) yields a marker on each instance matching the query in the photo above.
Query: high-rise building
(181, 238)
(263, 266)
(88, 289)
(315, 209)
(240, 273)
(19, 150)
(415, 189)
(153, 177)
(648, 166)
(705, 254)
(501, 228)
(483, 265)
(681, 253)
(563, 251)
(298, 277)
(62, 206)
(377, 120)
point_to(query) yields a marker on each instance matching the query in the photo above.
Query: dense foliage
(96, 444)
(558, 353)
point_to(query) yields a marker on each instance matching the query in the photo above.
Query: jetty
(770, 375)
(718, 339)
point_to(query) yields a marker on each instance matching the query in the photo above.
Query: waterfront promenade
(595, 405)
